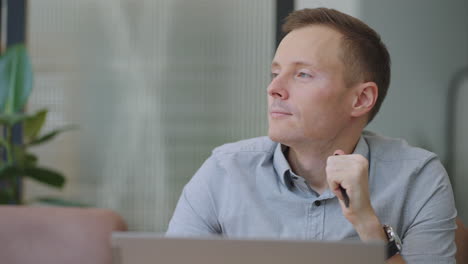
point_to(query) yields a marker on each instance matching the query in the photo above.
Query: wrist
(370, 229)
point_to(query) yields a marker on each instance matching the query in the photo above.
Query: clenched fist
(351, 172)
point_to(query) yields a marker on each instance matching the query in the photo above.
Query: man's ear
(365, 96)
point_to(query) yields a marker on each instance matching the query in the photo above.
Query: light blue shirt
(248, 190)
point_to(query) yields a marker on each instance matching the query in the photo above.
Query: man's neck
(309, 159)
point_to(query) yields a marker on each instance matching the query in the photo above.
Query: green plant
(16, 161)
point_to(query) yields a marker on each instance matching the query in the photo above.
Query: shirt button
(317, 203)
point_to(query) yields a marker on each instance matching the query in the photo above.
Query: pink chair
(56, 235)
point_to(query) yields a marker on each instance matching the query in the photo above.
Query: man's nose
(278, 88)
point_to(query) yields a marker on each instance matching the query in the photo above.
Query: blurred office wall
(460, 153)
(154, 85)
(428, 44)
(428, 41)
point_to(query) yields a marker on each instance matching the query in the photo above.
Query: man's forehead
(311, 45)
(316, 33)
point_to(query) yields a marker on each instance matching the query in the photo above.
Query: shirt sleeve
(195, 213)
(431, 234)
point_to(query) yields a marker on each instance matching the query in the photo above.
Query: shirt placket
(315, 220)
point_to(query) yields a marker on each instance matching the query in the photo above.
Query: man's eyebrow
(274, 64)
(295, 63)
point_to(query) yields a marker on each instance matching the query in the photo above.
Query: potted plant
(19, 131)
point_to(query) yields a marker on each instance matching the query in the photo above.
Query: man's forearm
(372, 230)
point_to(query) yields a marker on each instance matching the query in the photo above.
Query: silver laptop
(146, 248)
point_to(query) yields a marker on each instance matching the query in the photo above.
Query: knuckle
(361, 159)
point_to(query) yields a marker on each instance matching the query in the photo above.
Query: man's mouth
(278, 114)
(279, 109)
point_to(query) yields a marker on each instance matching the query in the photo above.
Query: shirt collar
(362, 148)
(281, 164)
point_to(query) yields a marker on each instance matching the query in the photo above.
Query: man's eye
(304, 75)
(273, 75)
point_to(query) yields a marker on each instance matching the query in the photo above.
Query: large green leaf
(6, 196)
(18, 155)
(51, 135)
(5, 61)
(10, 172)
(55, 201)
(24, 80)
(22, 158)
(30, 160)
(11, 119)
(33, 124)
(44, 175)
(15, 79)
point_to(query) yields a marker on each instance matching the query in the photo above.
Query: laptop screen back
(146, 248)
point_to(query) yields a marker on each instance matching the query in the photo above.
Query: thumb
(339, 191)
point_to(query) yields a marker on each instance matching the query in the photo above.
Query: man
(318, 175)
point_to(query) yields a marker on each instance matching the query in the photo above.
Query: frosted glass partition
(154, 86)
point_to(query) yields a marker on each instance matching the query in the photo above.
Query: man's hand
(351, 173)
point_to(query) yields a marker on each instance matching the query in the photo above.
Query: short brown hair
(364, 55)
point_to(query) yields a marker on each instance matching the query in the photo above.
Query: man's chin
(288, 137)
(273, 138)
(278, 137)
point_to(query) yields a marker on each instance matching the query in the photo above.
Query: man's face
(307, 97)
